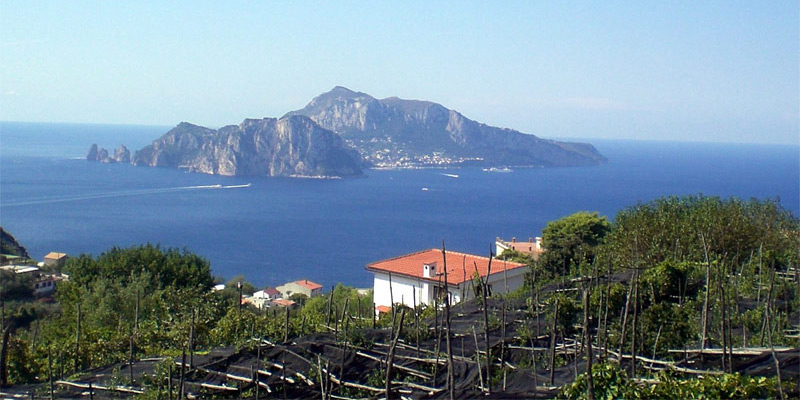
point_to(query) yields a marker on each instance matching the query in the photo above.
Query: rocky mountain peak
(395, 132)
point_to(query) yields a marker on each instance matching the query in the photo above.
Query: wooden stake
(486, 324)
(588, 340)
(181, 394)
(191, 340)
(553, 344)
(478, 356)
(330, 304)
(286, 332)
(78, 339)
(390, 358)
(391, 300)
(416, 314)
(50, 370)
(450, 373)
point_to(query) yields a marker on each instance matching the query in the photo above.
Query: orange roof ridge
(411, 265)
(471, 255)
(309, 284)
(402, 256)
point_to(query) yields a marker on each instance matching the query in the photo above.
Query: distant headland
(341, 132)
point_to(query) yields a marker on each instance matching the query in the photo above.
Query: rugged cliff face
(396, 132)
(10, 246)
(290, 146)
(121, 154)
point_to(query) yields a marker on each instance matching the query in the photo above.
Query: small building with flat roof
(303, 286)
(54, 259)
(532, 247)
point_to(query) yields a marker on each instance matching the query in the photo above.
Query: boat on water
(247, 185)
(450, 175)
(495, 169)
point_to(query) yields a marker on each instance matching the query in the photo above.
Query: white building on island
(418, 278)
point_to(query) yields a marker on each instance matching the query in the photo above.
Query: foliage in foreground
(675, 261)
(611, 382)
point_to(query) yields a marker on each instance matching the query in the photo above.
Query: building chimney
(429, 270)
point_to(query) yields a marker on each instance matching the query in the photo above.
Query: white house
(303, 286)
(418, 278)
(262, 298)
(55, 259)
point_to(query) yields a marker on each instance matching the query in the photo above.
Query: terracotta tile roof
(411, 265)
(55, 256)
(310, 285)
(383, 309)
(283, 302)
(272, 291)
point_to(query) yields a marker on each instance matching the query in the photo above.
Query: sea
(274, 230)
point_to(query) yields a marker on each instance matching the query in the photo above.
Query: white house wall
(516, 278)
(404, 288)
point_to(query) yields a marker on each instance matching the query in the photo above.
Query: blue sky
(666, 70)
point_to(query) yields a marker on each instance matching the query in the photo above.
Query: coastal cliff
(10, 246)
(393, 132)
(292, 146)
(121, 154)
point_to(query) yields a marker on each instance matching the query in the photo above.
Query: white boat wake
(122, 193)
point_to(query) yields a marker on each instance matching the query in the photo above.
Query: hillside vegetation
(676, 298)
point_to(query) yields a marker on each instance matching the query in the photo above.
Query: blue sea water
(277, 230)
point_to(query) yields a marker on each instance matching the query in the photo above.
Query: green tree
(572, 241)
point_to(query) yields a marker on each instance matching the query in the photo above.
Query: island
(341, 132)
